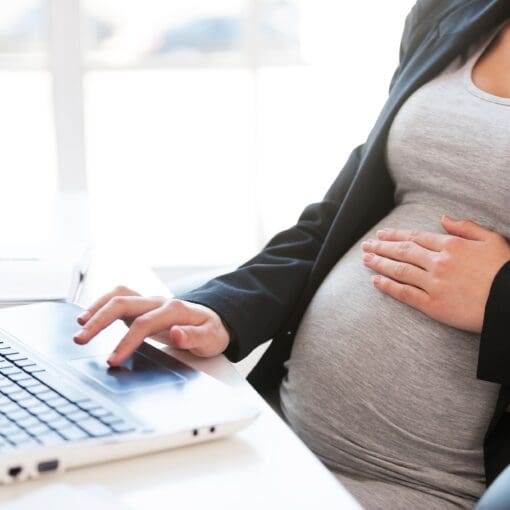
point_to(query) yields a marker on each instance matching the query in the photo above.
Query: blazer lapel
(453, 34)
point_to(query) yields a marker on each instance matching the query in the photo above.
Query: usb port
(47, 465)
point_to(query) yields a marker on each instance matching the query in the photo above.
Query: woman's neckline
(470, 65)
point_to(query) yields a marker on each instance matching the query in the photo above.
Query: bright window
(27, 155)
(199, 128)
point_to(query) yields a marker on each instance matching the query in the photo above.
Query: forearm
(255, 300)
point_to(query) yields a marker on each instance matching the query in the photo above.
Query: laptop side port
(14, 471)
(47, 466)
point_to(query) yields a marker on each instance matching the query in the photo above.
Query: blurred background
(196, 128)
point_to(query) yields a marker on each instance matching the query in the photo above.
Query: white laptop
(62, 407)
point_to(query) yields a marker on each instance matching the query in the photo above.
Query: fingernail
(367, 244)
(79, 335)
(368, 257)
(381, 233)
(84, 316)
(112, 358)
(448, 218)
(376, 279)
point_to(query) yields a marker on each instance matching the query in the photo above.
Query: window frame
(68, 68)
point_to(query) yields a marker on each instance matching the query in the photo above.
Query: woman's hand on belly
(446, 276)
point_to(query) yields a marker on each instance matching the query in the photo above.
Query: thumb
(464, 228)
(187, 337)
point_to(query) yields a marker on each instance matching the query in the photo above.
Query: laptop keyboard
(36, 408)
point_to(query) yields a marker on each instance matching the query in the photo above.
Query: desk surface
(263, 466)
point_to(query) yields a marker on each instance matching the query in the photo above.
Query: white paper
(49, 272)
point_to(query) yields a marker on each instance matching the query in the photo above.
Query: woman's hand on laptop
(181, 324)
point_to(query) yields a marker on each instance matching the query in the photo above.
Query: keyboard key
(72, 433)
(24, 363)
(37, 429)
(68, 408)
(18, 437)
(39, 408)
(57, 401)
(49, 416)
(9, 407)
(52, 398)
(95, 428)
(6, 388)
(34, 369)
(18, 414)
(50, 438)
(78, 416)
(111, 418)
(29, 383)
(37, 389)
(89, 404)
(60, 423)
(29, 422)
(22, 395)
(3, 441)
(8, 370)
(29, 441)
(19, 376)
(15, 357)
(11, 390)
(4, 382)
(122, 427)
(29, 403)
(9, 428)
(101, 411)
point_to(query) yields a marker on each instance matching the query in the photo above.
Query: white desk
(263, 467)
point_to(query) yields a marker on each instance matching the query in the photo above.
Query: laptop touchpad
(137, 372)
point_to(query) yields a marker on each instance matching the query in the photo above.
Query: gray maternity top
(387, 397)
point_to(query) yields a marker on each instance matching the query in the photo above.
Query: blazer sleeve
(256, 300)
(494, 355)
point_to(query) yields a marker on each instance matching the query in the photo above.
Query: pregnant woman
(389, 302)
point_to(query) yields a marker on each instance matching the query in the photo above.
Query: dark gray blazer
(265, 298)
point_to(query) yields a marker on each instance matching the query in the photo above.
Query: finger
(190, 337)
(118, 307)
(92, 309)
(429, 240)
(406, 294)
(465, 228)
(404, 251)
(152, 322)
(400, 271)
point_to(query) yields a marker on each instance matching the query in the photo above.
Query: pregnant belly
(373, 383)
